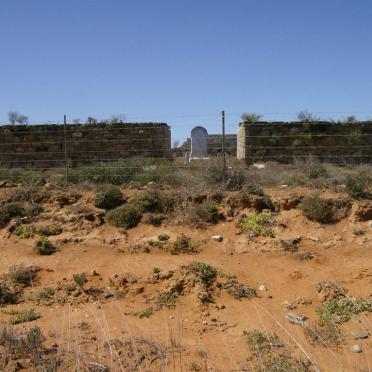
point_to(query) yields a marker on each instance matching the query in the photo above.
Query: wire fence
(122, 151)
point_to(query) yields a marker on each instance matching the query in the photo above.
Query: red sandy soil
(195, 335)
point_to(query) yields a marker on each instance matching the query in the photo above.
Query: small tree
(307, 117)
(91, 120)
(14, 117)
(251, 117)
(76, 121)
(351, 119)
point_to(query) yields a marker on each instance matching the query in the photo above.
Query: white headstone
(199, 140)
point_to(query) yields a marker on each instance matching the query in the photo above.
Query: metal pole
(65, 136)
(223, 140)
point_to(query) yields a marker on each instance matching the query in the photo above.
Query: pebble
(370, 224)
(356, 349)
(359, 335)
(262, 288)
(217, 238)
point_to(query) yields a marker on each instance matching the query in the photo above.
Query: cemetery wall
(336, 143)
(42, 146)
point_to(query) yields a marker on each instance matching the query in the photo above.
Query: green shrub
(153, 201)
(182, 244)
(261, 342)
(163, 237)
(50, 230)
(258, 224)
(9, 211)
(25, 231)
(154, 219)
(238, 290)
(340, 310)
(44, 247)
(126, 216)
(108, 197)
(146, 313)
(24, 316)
(80, 279)
(315, 170)
(317, 209)
(357, 186)
(33, 210)
(204, 272)
(43, 295)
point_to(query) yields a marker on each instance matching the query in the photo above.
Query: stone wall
(42, 146)
(214, 144)
(336, 143)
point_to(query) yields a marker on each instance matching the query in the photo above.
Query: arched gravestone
(199, 140)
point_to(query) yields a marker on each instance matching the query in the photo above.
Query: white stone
(217, 238)
(262, 288)
(356, 349)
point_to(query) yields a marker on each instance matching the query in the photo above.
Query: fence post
(65, 137)
(223, 141)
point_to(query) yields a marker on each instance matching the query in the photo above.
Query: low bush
(342, 309)
(25, 231)
(238, 290)
(41, 296)
(33, 210)
(203, 271)
(153, 202)
(261, 342)
(22, 275)
(31, 194)
(50, 230)
(108, 197)
(9, 211)
(325, 335)
(317, 209)
(182, 244)
(80, 279)
(258, 224)
(44, 247)
(8, 294)
(24, 316)
(207, 212)
(126, 216)
(146, 313)
(153, 219)
(357, 186)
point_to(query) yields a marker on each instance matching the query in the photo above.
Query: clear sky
(183, 61)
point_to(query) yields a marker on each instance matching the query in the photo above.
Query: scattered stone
(313, 238)
(262, 288)
(356, 349)
(283, 186)
(108, 295)
(329, 244)
(359, 335)
(296, 319)
(303, 301)
(217, 238)
(288, 305)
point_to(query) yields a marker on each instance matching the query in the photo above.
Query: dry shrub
(317, 209)
(9, 211)
(22, 275)
(108, 197)
(126, 216)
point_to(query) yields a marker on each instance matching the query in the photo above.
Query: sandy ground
(199, 336)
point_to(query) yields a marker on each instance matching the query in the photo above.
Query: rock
(313, 238)
(359, 335)
(217, 238)
(290, 245)
(288, 305)
(262, 288)
(370, 224)
(303, 301)
(363, 211)
(108, 294)
(329, 244)
(356, 349)
(296, 319)
(283, 186)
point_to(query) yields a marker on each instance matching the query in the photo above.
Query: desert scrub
(25, 231)
(203, 271)
(108, 197)
(9, 211)
(342, 309)
(80, 279)
(317, 209)
(33, 210)
(206, 211)
(357, 186)
(146, 313)
(261, 342)
(23, 316)
(169, 298)
(42, 296)
(8, 294)
(325, 335)
(258, 224)
(50, 230)
(182, 244)
(153, 219)
(126, 216)
(44, 247)
(153, 202)
(22, 275)
(238, 290)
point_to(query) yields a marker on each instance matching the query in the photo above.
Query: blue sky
(183, 61)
